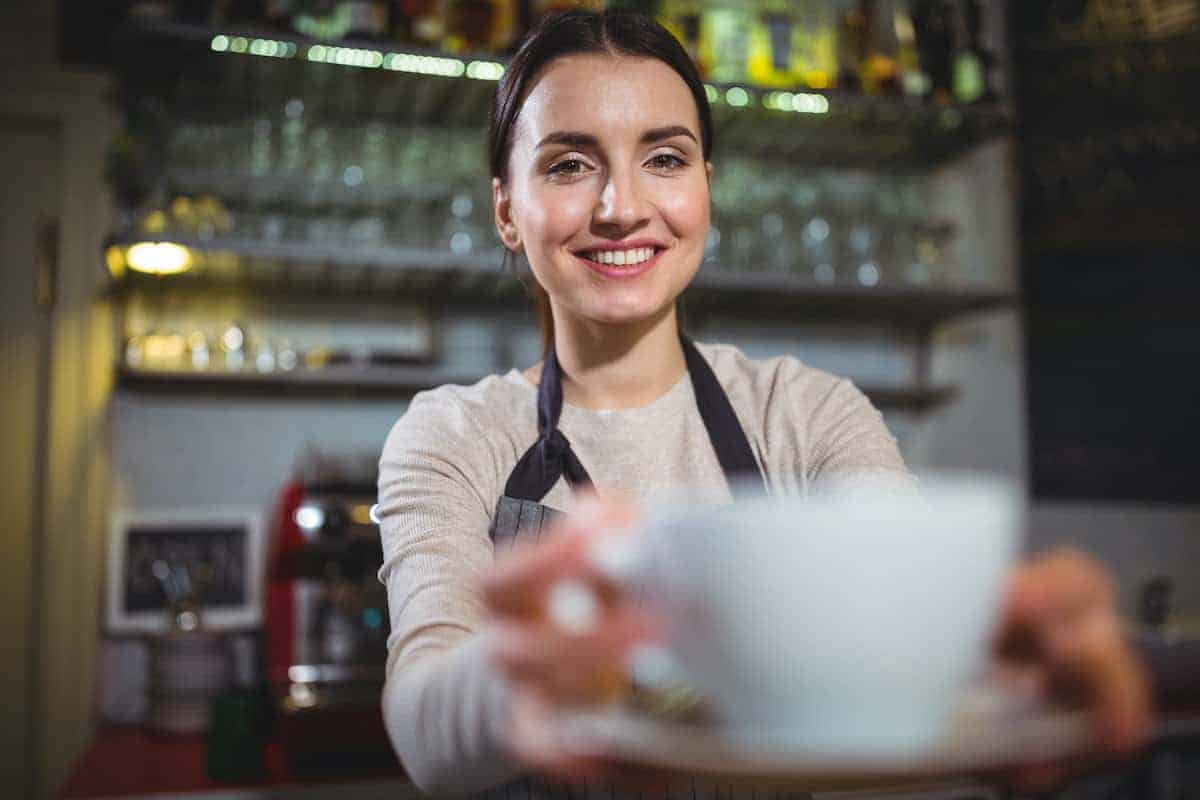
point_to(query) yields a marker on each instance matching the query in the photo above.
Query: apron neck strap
(551, 456)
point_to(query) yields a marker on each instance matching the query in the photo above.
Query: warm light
(163, 350)
(361, 515)
(818, 79)
(158, 258)
(154, 222)
(115, 258)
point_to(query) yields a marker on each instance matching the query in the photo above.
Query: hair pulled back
(612, 32)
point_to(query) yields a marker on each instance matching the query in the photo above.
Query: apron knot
(539, 469)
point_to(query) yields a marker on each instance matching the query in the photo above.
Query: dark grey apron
(520, 514)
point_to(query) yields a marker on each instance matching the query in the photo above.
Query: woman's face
(607, 190)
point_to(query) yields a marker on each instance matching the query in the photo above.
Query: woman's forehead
(610, 97)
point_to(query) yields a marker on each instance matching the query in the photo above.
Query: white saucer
(991, 731)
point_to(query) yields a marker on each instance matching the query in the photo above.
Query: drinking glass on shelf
(817, 247)
(292, 136)
(863, 237)
(740, 246)
(779, 247)
(462, 234)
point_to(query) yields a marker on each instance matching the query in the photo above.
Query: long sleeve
(445, 708)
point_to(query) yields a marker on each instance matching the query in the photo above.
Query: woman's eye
(667, 161)
(572, 166)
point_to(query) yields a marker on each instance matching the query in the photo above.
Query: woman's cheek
(562, 216)
(686, 210)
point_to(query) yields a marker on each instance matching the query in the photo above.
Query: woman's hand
(1060, 630)
(551, 666)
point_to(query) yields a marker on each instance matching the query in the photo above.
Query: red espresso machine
(326, 631)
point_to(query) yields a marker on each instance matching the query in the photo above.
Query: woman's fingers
(1110, 680)
(1060, 619)
(570, 666)
(519, 583)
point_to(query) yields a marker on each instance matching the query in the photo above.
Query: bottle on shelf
(772, 58)
(277, 14)
(725, 33)
(913, 80)
(470, 25)
(881, 72)
(683, 18)
(321, 19)
(365, 20)
(973, 65)
(852, 44)
(814, 44)
(933, 22)
(418, 22)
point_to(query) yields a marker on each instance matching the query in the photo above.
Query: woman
(600, 149)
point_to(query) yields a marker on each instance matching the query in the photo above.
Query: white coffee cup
(850, 624)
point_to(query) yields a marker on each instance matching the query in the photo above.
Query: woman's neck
(618, 366)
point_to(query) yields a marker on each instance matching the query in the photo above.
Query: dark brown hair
(571, 33)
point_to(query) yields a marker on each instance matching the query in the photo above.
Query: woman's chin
(628, 313)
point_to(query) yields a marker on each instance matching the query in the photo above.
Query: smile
(621, 258)
(621, 264)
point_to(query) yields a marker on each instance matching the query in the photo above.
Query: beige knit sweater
(445, 464)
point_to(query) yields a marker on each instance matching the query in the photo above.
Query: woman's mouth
(624, 263)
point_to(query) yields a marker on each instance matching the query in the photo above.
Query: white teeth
(622, 258)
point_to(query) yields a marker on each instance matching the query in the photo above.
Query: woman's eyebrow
(569, 139)
(580, 139)
(666, 132)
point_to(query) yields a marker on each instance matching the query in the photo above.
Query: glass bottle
(852, 44)
(725, 31)
(973, 64)
(881, 70)
(814, 44)
(913, 80)
(365, 20)
(771, 60)
(683, 19)
(933, 23)
(470, 25)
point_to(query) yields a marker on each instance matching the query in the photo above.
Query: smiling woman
(622, 154)
(600, 151)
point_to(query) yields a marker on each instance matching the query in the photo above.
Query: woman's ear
(502, 208)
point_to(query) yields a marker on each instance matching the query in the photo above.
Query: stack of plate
(186, 671)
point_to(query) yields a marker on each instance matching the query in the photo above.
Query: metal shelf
(398, 383)
(831, 127)
(386, 273)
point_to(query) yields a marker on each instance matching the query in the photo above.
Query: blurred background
(237, 236)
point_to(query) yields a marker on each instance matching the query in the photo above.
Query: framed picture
(216, 553)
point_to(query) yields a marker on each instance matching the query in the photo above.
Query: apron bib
(520, 514)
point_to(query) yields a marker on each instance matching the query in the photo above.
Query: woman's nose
(621, 203)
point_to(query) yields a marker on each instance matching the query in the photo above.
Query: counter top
(128, 762)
